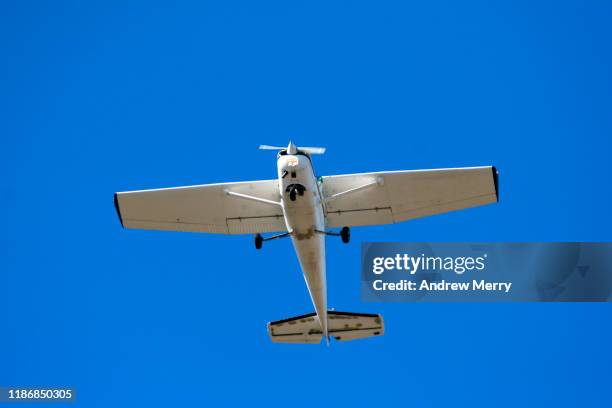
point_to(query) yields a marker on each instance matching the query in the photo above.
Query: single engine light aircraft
(305, 208)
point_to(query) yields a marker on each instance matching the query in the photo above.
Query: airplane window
(293, 174)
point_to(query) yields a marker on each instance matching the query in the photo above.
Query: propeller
(292, 149)
(266, 147)
(312, 150)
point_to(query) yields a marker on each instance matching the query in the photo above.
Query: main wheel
(258, 241)
(345, 234)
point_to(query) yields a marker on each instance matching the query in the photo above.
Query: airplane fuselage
(305, 220)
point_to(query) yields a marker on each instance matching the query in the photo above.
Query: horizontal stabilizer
(342, 326)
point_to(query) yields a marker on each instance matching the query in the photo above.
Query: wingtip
(118, 210)
(496, 181)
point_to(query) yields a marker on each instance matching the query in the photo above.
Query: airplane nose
(291, 148)
(293, 163)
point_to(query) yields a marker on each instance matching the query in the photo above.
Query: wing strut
(378, 182)
(252, 198)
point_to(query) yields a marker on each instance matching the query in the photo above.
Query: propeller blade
(312, 150)
(266, 147)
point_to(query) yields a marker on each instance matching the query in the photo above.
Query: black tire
(292, 195)
(345, 234)
(258, 241)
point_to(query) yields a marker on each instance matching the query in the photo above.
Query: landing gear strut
(259, 240)
(344, 234)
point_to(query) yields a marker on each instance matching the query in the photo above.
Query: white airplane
(299, 205)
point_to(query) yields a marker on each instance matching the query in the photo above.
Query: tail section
(342, 326)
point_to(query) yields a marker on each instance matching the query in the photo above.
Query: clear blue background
(99, 98)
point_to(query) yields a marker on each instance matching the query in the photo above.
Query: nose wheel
(294, 190)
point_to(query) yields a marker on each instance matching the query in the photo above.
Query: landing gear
(259, 240)
(345, 234)
(294, 190)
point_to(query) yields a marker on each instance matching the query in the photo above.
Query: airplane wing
(390, 197)
(204, 208)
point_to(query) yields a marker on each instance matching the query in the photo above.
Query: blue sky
(100, 97)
